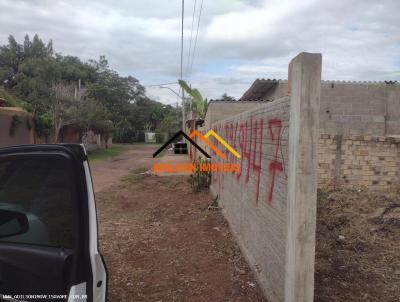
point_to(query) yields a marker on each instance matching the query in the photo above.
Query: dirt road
(107, 172)
(160, 241)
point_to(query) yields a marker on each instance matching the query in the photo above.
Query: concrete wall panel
(270, 204)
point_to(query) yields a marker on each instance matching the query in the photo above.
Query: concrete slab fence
(271, 203)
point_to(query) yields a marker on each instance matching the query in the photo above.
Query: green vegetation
(13, 101)
(200, 180)
(196, 102)
(100, 154)
(199, 104)
(62, 91)
(134, 175)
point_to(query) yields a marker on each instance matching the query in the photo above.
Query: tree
(90, 114)
(11, 56)
(115, 92)
(61, 107)
(146, 113)
(170, 124)
(62, 90)
(226, 97)
(124, 132)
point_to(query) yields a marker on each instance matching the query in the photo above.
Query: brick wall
(355, 161)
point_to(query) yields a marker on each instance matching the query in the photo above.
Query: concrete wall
(254, 200)
(360, 108)
(219, 110)
(271, 203)
(366, 115)
(70, 135)
(23, 133)
(90, 139)
(94, 141)
(354, 108)
(354, 161)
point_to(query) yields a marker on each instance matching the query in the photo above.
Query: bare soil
(358, 246)
(159, 240)
(109, 171)
(161, 243)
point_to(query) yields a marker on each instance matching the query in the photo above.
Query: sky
(238, 40)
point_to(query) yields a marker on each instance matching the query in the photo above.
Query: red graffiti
(247, 138)
(221, 175)
(256, 166)
(246, 153)
(242, 140)
(235, 138)
(274, 165)
(230, 141)
(215, 176)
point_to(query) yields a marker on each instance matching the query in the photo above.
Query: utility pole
(183, 92)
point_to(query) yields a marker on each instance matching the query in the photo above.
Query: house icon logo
(205, 139)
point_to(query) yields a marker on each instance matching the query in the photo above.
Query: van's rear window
(42, 188)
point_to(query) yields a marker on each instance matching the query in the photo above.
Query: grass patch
(134, 175)
(101, 154)
(172, 181)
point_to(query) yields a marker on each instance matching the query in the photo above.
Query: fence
(271, 203)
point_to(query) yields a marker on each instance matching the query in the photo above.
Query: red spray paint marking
(226, 129)
(242, 140)
(215, 175)
(220, 175)
(247, 149)
(235, 139)
(257, 163)
(235, 131)
(230, 141)
(274, 165)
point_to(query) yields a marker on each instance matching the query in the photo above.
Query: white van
(48, 227)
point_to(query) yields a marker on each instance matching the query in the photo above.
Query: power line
(183, 12)
(195, 40)
(161, 84)
(191, 38)
(183, 92)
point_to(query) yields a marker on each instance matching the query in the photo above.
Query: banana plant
(197, 99)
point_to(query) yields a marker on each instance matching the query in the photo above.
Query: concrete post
(302, 181)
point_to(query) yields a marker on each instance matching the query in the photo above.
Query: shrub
(160, 137)
(200, 180)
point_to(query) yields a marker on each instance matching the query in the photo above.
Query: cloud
(239, 40)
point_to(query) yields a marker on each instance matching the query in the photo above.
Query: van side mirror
(12, 223)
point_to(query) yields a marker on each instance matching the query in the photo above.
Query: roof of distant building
(259, 88)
